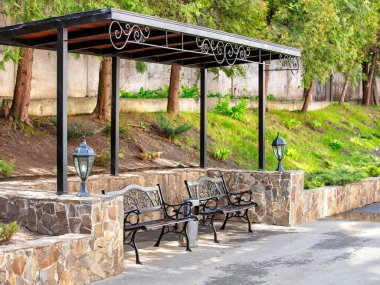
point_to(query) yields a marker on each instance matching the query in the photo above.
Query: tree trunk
(308, 98)
(365, 81)
(344, 91)
(103, 103)
(173, 102)
(368, 97)
(21, 95)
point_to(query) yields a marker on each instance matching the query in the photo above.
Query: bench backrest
(143, 199)
(206, 187)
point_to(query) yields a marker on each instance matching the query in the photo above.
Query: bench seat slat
(156, 224)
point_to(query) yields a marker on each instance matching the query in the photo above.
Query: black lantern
(84, 157)
(279, 151)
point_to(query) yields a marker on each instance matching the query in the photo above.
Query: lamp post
(84, 157)
(279, 151)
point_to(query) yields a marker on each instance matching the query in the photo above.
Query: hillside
(339, 137)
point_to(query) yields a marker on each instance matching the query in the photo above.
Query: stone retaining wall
(67, 259)
(309, 205)
(271, 189)
(44, 212)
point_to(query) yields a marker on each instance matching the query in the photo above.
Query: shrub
(214, 95)
(291, 124)
(77, 130)
(223, 107)
(189, 92)
(6, 168)
(7, 231)
(149, 155)
(237, 112)
(122, 131)
(104, 158)
(316, 124)
(222, 154)
(160, 93)
(336, 145)
(270, 97)
(329, 177)
(373, 171)
(169, 131)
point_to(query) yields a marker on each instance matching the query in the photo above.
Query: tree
(175, 80)
(103, 104)
(22, 11)
(330, 35)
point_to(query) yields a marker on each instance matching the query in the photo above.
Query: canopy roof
(112, 32)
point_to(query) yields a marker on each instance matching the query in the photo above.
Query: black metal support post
(203, 134)
(115, 104)
(61, 111)
(261, 118)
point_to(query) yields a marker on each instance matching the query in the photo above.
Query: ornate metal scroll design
(290, 62)
(223, 52)
(130, 33)
(139, 199)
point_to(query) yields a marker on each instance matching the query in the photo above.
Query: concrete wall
(85, 105)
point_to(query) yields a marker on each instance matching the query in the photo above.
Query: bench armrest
(241, 198)
(208, 204)
(132, 217)
(176, 210)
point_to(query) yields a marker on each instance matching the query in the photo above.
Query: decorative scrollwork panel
(290, 62)
(223, 52)
(125, 33)
(137, 199)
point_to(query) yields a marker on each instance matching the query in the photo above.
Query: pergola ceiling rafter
(112, 32)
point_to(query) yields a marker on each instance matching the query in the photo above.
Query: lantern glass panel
(279, 151)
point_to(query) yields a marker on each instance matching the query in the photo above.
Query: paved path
(322, 252)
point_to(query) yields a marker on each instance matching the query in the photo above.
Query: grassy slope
(307, 148)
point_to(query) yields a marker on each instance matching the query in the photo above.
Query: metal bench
(214, 198)
(146, 202)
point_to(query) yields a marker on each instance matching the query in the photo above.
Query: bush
(149, 155)
(104, 158)
(316, 124)
(373, 171)
(6, 168)
(291, 124)
(270, 97)
(7, 231)
(222, 154)
(189, 92)
(214, 95)
(122, 131)
(77, 130)
(169, 131)
(336, 145)
(329, 177)
(159, 93)
(237, 112)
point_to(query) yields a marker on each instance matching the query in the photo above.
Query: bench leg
(132, 243)
(249, 222)
(157, 244)
(213, 228)
(225, 221)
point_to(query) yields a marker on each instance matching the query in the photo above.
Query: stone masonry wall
(318, 203)
(100, 218)
(272, 190)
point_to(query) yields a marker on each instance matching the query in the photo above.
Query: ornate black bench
(214, 198)
(148, 202)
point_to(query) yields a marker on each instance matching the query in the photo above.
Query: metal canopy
(112, 32)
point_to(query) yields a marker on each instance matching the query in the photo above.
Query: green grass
(355, 129)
